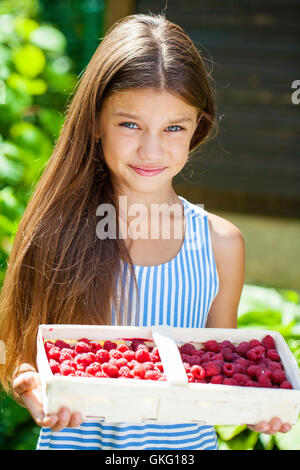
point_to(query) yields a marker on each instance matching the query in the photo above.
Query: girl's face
(145, 128)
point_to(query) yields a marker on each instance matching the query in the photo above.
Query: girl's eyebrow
(132, 116)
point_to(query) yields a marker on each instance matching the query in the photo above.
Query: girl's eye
(174, 126)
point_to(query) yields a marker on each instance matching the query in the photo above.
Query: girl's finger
(64, 417)
(286, 427)
(25, 382)
(275, 425)
(76, 420)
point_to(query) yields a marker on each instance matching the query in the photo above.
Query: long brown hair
(59, 271)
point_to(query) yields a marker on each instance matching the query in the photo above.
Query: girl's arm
(229, 251)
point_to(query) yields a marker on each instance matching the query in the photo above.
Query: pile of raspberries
(136, 360)
(249, 364)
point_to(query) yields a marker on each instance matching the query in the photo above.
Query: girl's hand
(27, 385)
(271, 427)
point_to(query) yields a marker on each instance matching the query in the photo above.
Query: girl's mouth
(152, 172)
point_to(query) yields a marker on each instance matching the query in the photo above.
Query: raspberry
(80, 373)
(139, 370)
(186, 357)
(66, 353)
(208, 356)
(272, 354)
(112, 370)
(219, 357)
(122, 347)
(227, 354)
(187, 348)
(286, 384)
(84, 340)
(135, 343)
(254, 343)
(264, 381)
(243, 348)
(66, 369)
(251, 383)
(48, 345)
(121, 362)
(155, 353)
(102, 356)
(227, 344)
(54, 366)
(152, 375)
(256, 353)
(216, 379)
(108, 345)
(85, 359)
(95, 346)
(198, 372)
(142, 355)
(195, 360)
(101, 374)
(93, 368)
(115, 354)
(82, 347)
(242, 361)
(239, 369)
(230, 381)
(268, 342)
(54, 353)
(228, 369)
(241, 379)
(190, 377)
(278, 376)
(125, 372)
(61, 344)
(159, 366)
(274, 365)
(212, 346)
(254, 371)
(211, 368)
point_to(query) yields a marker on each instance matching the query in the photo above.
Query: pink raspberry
(198, 372)
(159, 366)
(66, 353)
(216, 379)
(122, 347)
(286, 384)
(66, 369)
(241, 379)
(211, 368)
(142, 355)
(54, 353)
(255, 353)
(272, 354)
(139, 370)
(124, 371)
(85, 359)
(264, 381)
(115, 353)
(152, 375)
(254, 343)
(243, 348)
(268, 342)
(254, 371)
(81, 373)
(129, 355)
(212, 345)
(108, 345)
(227, 354)
(48, 345)
(121, 362)
(102, 356)
(227, 344)
(155, 353)
(228, 369)
(82, 347)
(278, 376)
(93, 368)
(101, 374)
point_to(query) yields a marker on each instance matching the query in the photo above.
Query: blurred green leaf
(289, 440)
(228, 432)
(243, 441)
(10, 172)
(32, 138)
(26, 85)
(25, 26)
(29, 60)
(49, 39)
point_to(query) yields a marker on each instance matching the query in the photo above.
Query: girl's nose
(152, 149)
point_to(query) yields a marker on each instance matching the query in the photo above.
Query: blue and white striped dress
(177, 293)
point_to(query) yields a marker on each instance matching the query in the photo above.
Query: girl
(142, 106)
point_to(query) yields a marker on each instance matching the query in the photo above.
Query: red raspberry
(208, 356)
(254, 371)
(254, 343)
(186, 358)
(67, 353)
(190, 377)
(54, 366)
(242, 361)
(125, 372)
(132, 364)
(54, 353)
(219, 357)
(112, 370)
(85, 359)
(286, 384)
(227, 344)
(198, 372)
(216, 379)
(278, 376)
(212, 345)
(211, 368)
(136, 342)
(152, 375)
(256, 353)
(129, 355)
(142, 355)
(95, 346)
(228, 369)
(48, 345)
(66, 369)
(241, 379)
(82, 347)
(251, 383)
(93, 368)
(227, 354)
(84, 340)
(264, 381)
(243, 348)
(108, 345)
(239, 369)
(272, 354)
(187, 348)
(115, 354)
(122, 347)
(101, 374)
(61, 344)
(139, 370)
(80, 373)
(274, 365)
(195, 360)
(102, 356)
(121, 362)
(159, 366)
(268, 342)
(230, 381)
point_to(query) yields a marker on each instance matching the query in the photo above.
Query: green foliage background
(36, 78)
